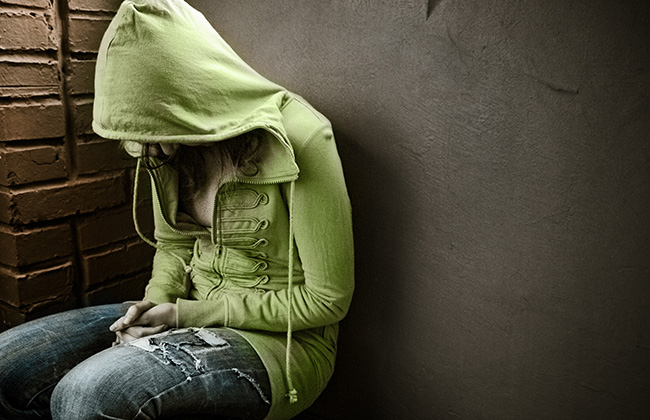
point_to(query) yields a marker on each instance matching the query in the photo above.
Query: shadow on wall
(376, 190)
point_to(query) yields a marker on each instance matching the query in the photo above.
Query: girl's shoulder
(302, 121)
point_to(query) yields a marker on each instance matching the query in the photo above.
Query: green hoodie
(277, 265)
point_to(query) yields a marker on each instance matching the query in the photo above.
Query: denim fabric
(63, 367)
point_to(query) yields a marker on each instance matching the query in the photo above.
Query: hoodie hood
(165, 75)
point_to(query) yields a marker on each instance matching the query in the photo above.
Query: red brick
(10, 316)
(26, 31)
(43, 4)
(28, 73)
(29, 246)
(118, 260)
(19, 289)
(33, 204)
(32, 120)
(86, 33)
(113, 225)
(82, 76)
(95, 5)
(84, 116)
(130, 288)
(22, 165)
(100, 156)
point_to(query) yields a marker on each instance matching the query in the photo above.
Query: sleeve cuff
(201, 313)
(159, 295)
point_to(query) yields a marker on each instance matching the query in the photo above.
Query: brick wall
(66, 235)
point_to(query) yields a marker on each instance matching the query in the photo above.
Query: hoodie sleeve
(322, 225)
(169, 281)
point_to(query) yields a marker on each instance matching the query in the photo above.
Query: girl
(254, 257)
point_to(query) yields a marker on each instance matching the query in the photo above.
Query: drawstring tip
(293, 396)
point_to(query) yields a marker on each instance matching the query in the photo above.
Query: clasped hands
(143, 319)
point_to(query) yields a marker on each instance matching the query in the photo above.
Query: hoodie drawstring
(186, 267)
(292, 394)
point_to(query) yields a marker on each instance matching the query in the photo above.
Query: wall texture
(497, 157)
(66, 236)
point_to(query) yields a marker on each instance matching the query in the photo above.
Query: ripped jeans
(63, 367)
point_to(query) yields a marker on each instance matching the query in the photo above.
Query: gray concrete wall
(497, 156)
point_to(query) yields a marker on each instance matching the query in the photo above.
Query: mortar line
(62, 16)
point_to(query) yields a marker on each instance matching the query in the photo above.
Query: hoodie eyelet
(263, 265)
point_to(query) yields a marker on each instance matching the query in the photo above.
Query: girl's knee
(72, 396)
(85, 393)
(100, 387)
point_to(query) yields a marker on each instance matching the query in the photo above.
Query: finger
(136, 310)
(160, 328)
(117, 325)
(125, 337)
(135, 332)
(165, 313)
(147, 331)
